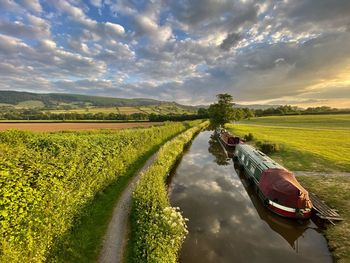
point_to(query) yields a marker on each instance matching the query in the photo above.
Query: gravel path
(116, 236)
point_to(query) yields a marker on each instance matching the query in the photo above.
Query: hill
(54, 99)
(82, 103)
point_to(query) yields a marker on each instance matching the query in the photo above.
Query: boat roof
(259, 157)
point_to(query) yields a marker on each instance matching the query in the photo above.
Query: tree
(222, 111)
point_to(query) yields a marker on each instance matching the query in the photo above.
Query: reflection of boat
(227, 139)
(216, 150)
(276, 186)
(289, 229)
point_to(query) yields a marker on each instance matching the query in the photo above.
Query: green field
(163, 110)
(310, 143)
(338, 121)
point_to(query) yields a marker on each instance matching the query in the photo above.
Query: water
(227, 220)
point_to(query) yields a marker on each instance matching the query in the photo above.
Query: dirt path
(307, 173)
(116, 236)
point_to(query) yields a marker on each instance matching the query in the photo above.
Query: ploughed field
(309, 143)
(52, 127)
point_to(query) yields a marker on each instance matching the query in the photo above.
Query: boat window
(242, 157)
(252, 169)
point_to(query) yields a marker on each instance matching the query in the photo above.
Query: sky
(260, 52)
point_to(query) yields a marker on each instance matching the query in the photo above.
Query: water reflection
(227, 222)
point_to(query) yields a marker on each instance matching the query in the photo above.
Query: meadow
(54, 188)
(309, 143)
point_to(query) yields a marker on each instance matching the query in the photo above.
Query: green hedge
(158, 229)
(47, 178)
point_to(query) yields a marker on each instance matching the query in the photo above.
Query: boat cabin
(254, 161)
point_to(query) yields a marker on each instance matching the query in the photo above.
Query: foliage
(268, 147)
(222, 112)
(335, 190)
(47, 179)
(158, 230)
(324, 148)
(292, 110)
(248, 137)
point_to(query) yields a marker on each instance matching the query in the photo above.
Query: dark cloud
(230, 41)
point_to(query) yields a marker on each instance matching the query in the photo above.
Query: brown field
(51, 127)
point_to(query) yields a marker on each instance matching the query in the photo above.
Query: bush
(46, 179)
(248, 137)
(158, 229)
(268, 147)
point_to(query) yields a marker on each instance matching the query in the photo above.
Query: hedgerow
(46, 179)
(158, 229)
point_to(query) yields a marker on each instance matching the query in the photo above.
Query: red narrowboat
(277, 187)
(227, 139)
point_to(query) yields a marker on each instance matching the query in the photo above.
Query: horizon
(260, 52)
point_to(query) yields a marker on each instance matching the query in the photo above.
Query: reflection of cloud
(209, 186)
(215, 228)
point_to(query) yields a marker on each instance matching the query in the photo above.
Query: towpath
(116, 236)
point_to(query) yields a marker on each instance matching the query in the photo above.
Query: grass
(30, 104)
(335, 121)
(335, 190)
(324, 147)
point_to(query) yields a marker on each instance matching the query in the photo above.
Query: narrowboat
(277, 187)
(227, 139)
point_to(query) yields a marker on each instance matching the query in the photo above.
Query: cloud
(230, 41)
(32, 5)
(188, 51)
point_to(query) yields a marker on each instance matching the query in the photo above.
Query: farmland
(310, 143)
(50, 181)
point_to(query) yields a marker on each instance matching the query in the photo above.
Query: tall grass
(47, 179)
(158, 229)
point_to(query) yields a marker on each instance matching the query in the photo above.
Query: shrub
(158, 229)
(268, 147)
(248, 137)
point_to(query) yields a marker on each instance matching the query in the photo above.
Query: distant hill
(57, 100)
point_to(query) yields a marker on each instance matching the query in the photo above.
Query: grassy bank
(48, 182)
(335, 190)
(322, 147)
(157, 229)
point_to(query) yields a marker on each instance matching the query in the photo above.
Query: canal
(227, 222)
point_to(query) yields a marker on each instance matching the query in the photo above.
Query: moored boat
(276, 186)
(227, 139)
